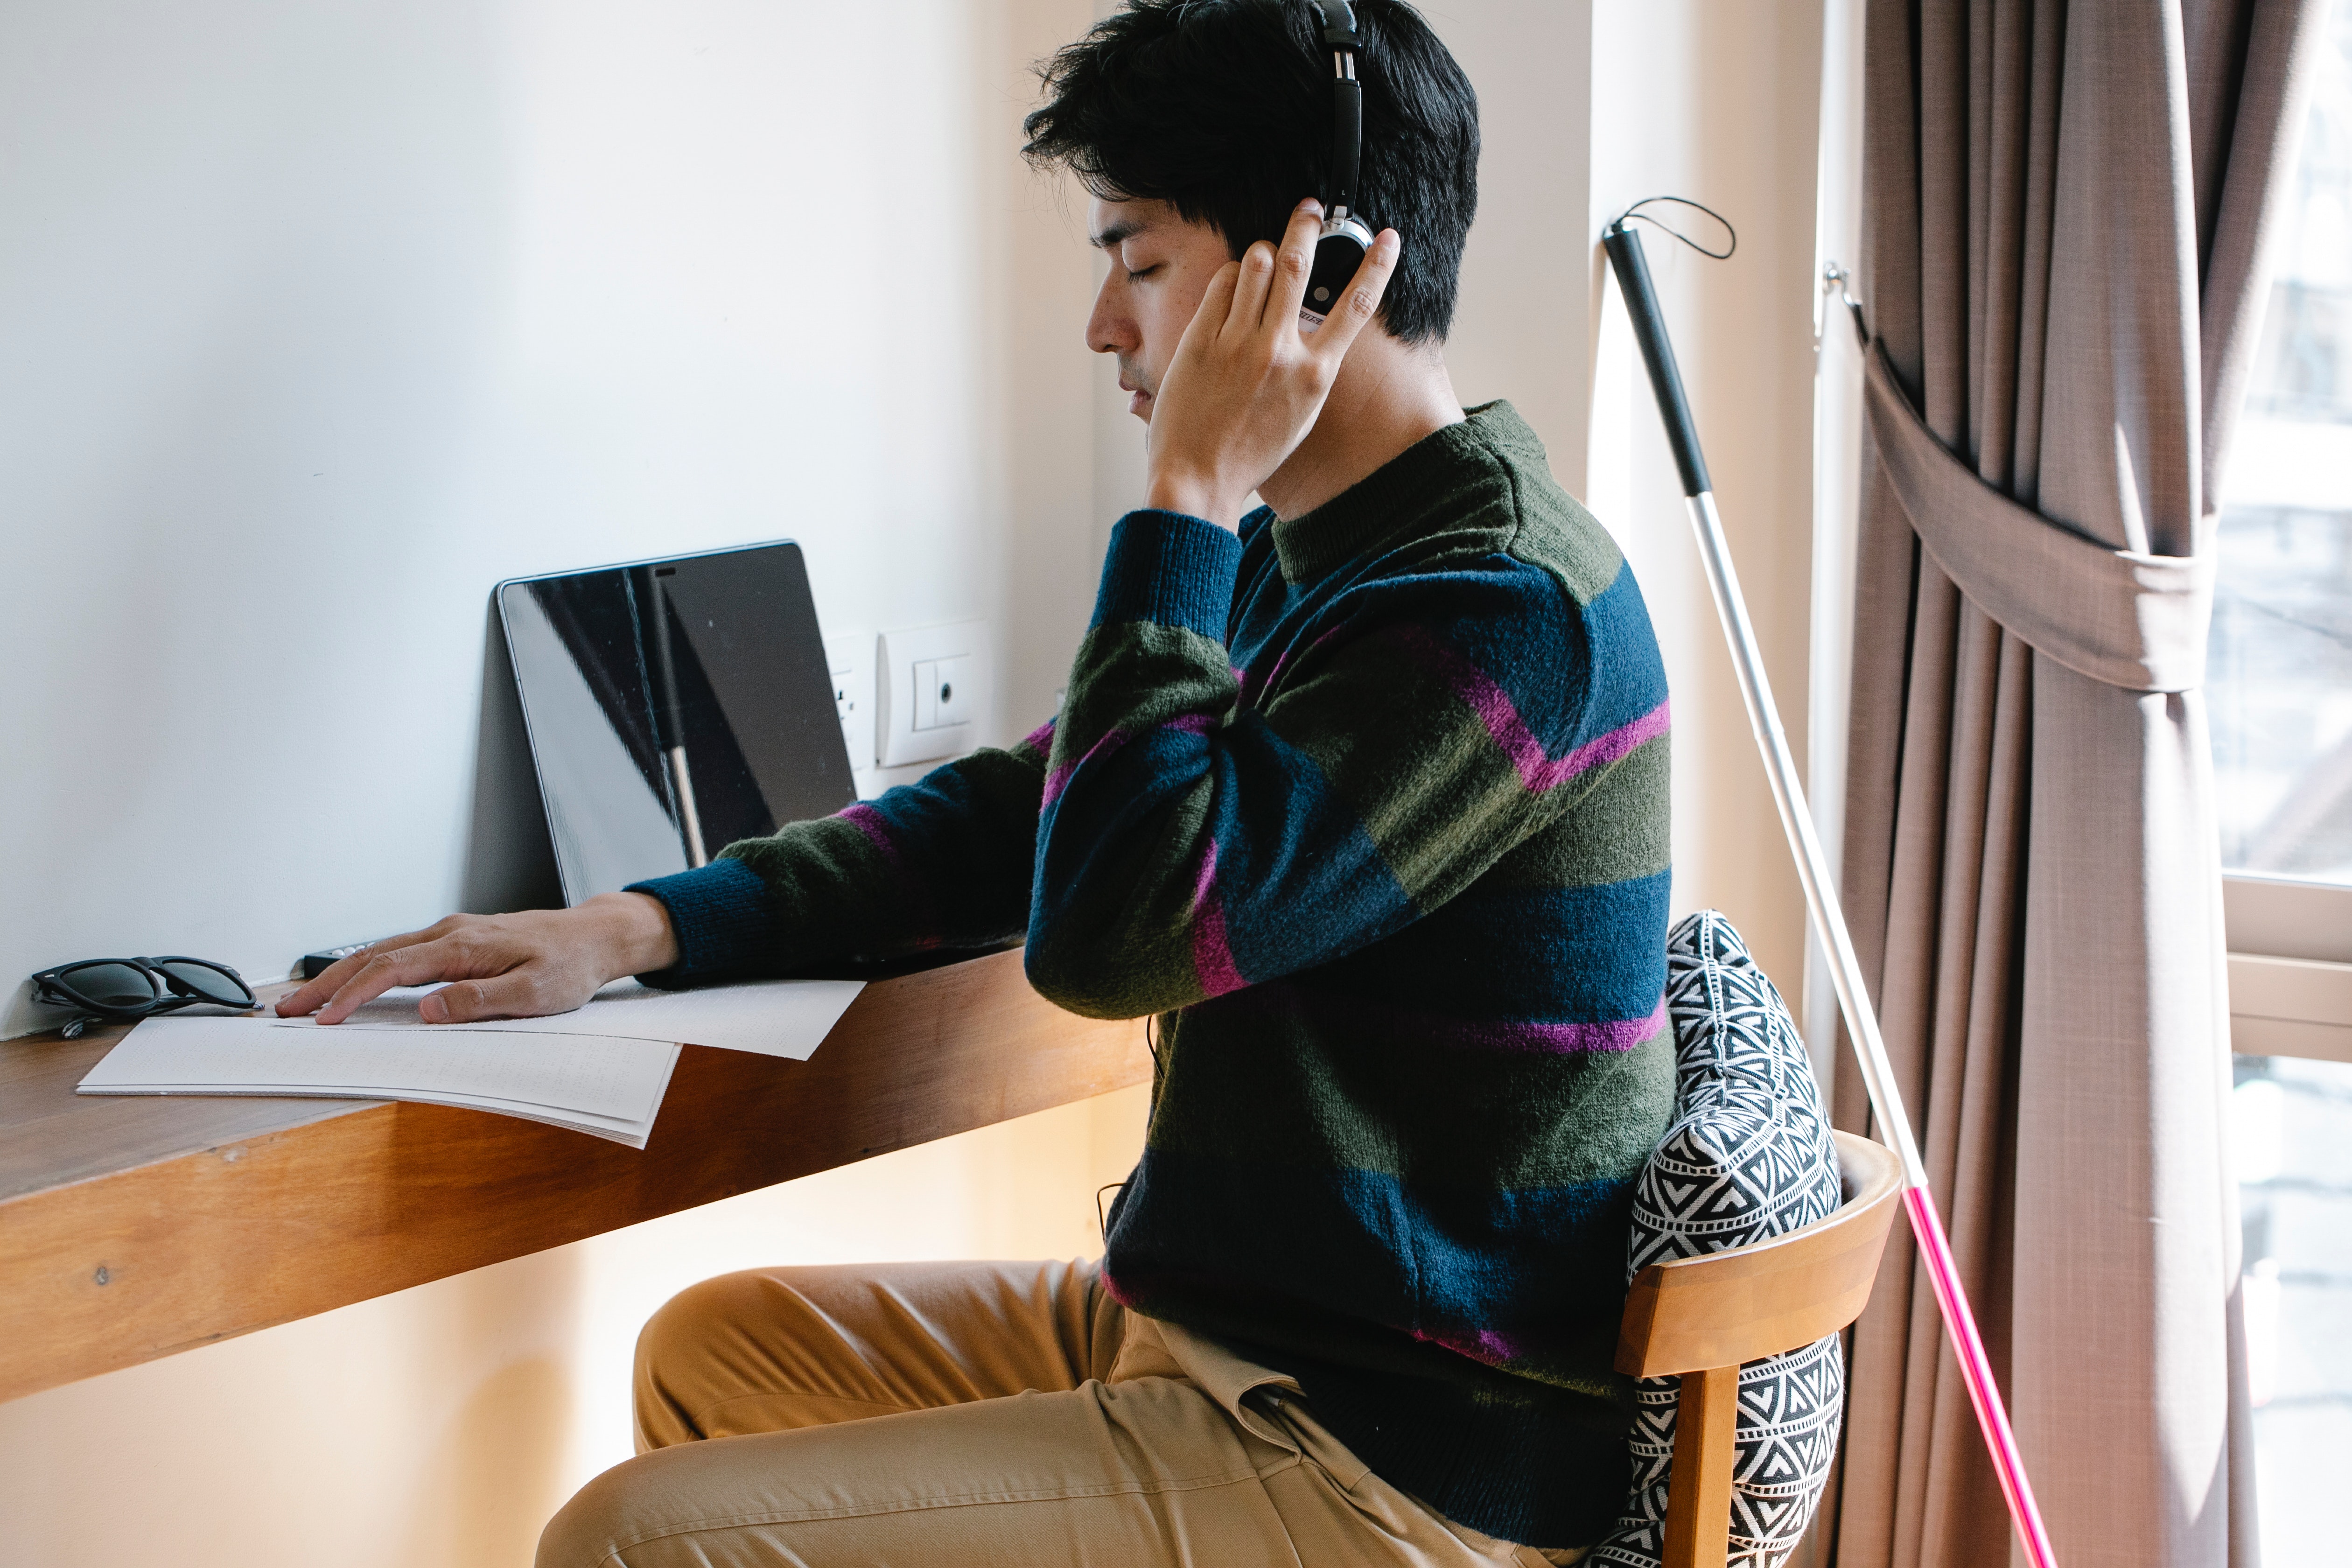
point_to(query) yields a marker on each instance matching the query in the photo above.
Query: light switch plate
(851, 662)
(935, 714)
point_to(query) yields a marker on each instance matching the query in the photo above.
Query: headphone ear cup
(1337, 256)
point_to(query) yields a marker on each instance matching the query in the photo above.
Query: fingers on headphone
(1362, 301)
(1256, 284)
(1371, 279)
(1295, 261)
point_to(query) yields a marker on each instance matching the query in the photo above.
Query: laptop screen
(674, 707)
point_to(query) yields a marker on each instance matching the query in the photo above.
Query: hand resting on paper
(502, 966)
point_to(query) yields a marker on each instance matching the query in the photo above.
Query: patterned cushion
(1748, 1155)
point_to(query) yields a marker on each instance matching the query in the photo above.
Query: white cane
(1633, 270)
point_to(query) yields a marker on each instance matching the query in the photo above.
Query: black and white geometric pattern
(1748, 1155)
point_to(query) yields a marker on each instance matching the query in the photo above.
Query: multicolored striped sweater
(1368, 806)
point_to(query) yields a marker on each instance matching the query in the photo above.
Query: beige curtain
(2063, 205)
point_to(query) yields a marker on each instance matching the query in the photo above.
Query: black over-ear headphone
(1341, 246)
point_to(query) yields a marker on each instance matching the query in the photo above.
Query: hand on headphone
(1246, 384)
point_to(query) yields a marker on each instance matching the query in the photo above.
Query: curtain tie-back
(2120, 617)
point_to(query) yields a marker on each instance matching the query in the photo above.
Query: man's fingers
(331, 979)
(1216, 306)
(1250, 295)
(1360, 303)
(1293, 263)
(418, 966)
(517, 993)
(1198, 342)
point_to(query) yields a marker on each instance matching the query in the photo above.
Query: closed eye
(1138, 274)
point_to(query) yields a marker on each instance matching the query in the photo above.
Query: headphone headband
(1340, 248)
(1347, 108)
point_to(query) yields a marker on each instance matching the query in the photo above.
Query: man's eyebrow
(1117, 233)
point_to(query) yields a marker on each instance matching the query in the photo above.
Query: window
(2281, 677)
(2279, 686)
(2296, 1191)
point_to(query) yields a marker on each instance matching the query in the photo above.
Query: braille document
(601, 1069)
(773, 1017)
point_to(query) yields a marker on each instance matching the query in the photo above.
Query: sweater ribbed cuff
(722, 916)
(1169, 570)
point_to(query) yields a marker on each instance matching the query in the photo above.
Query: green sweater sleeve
(942, 862)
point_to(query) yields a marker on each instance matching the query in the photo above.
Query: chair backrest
(1700, 1318)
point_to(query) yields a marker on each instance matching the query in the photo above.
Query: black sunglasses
(118, 989)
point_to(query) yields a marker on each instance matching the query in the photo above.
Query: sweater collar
(1397, 496)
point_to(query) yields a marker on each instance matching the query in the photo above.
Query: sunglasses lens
(109, 984)
(206, 982)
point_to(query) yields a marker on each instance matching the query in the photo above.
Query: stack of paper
(601, 1069)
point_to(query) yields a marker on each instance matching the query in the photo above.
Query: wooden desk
(131, 1228)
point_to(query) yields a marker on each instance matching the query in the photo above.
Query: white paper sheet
(607, 1085)
(787, 1018)
(610, 1078)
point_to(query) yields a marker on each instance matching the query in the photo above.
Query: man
(1363, 795)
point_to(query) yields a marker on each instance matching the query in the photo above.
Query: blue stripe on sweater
(1320, 864)
(1570, 959)
(1617, 630)
(1319, 858)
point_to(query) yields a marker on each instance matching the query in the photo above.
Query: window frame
(2290, 966)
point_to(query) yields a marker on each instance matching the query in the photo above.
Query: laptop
(674, 707)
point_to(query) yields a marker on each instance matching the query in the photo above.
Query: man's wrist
(638, 938)
(1191, 498)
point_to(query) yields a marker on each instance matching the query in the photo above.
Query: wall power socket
(851, 662)
(934, 688)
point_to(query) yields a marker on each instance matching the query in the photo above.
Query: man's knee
(696, 1318)
(675, 1350)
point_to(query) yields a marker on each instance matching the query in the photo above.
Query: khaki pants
(974, 1414)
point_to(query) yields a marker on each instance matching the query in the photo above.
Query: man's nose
(1109, 329)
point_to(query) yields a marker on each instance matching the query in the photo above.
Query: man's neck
(1388, 396)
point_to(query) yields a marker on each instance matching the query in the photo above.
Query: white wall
(315, 321)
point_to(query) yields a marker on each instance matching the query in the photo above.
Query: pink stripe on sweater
(1379, 1020)
(1605, 1035)
(1620, 741)
(1486, 699)
(1491, 1346)
(869, 821)
(1213, 957)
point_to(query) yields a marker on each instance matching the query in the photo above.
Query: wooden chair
(1700, 1318)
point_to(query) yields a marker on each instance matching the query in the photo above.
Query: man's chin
(1139, 405)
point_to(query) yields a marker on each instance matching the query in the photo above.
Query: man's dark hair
(1222, 109)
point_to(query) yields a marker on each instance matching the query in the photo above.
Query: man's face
(1161, 265)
